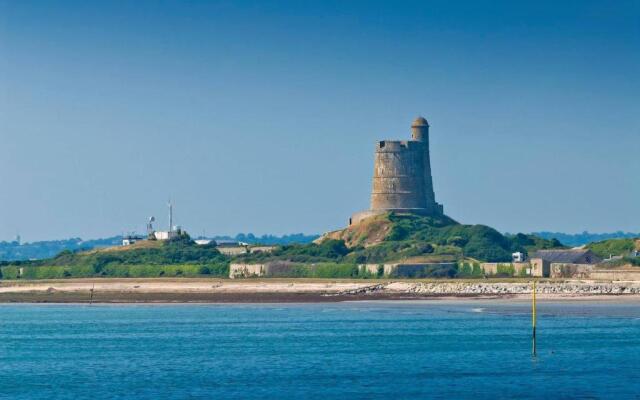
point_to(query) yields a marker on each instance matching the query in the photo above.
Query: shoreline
(208, 290)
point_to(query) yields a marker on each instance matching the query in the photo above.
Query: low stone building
(517, 268)
(261, 249)
(542, 260)
(402, 270)
(247, 270)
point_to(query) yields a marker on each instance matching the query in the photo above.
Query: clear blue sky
(262, 116)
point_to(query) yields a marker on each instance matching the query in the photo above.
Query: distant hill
(580, 239)
(295, 238)
(149, 258)
(11, 251)
(615, 247)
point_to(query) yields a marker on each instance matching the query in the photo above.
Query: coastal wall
(232, 250)
(374, 269)
(247, 270)
(520, 268)
(261, 249)
(616, 274)
(401, 270)
(563, 270)
(539, 267)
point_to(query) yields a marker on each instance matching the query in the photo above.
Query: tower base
(359, 216)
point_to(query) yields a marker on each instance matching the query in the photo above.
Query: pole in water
(533, 318)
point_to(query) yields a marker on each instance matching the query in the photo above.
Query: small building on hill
(130, 239)
(541, 260)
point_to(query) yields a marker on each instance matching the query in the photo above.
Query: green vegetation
(398, 250)
(476, 241)
(412, 237)
(429, 271)
(328, 251)
(11, 251)
(580, 239)
(505, 270)
(616, 247)
(469, 270)
(621, 262)
(322, 270)
(179, 257)
(398, 238)
(429, 239)
(121, 271)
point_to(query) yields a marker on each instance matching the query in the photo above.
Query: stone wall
(262, 249)
(519, 269)
(232, 250)
(616, 274)
(401, 270)
(247, 270)
(540, 268)
(375, 268)
(563, 270)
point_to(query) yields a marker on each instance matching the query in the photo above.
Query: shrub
(328, 270)
(465, 270)
(505, 270)
(10, 272)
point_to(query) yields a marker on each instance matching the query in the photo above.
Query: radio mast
(170, 216)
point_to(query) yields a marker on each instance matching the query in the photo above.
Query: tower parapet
(402, 179)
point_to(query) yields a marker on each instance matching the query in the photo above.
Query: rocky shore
(500, 288)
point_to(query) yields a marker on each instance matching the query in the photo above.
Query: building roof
(420, 121)
(568, 256)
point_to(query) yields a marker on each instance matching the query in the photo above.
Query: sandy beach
(300, 290)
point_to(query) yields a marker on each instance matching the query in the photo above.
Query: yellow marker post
(533, 318)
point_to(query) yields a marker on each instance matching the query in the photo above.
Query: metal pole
(533, 318)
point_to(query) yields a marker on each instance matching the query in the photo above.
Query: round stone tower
(420, 133)
(398, 176)
(420, 130)
(402, 176)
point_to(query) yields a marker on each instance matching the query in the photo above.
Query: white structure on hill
(165, 235)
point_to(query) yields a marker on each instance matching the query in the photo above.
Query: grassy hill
(615, 247)
(181, 257)
(381, 239)
(410, 238)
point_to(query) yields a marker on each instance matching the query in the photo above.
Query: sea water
(353, 350)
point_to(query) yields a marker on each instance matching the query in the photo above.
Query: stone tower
(402, 176)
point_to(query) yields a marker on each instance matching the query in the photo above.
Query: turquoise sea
(353, 350)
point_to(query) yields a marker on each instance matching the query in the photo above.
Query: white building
(518, 257)
(130, 239)
(164, 235)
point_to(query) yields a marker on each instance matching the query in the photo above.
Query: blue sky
(262, 116)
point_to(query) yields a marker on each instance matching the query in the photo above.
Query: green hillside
(615, 247)
(384, 238)
(180, 257)
(412, 235)
(394, 237)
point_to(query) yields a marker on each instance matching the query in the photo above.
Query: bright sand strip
(292, 290)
